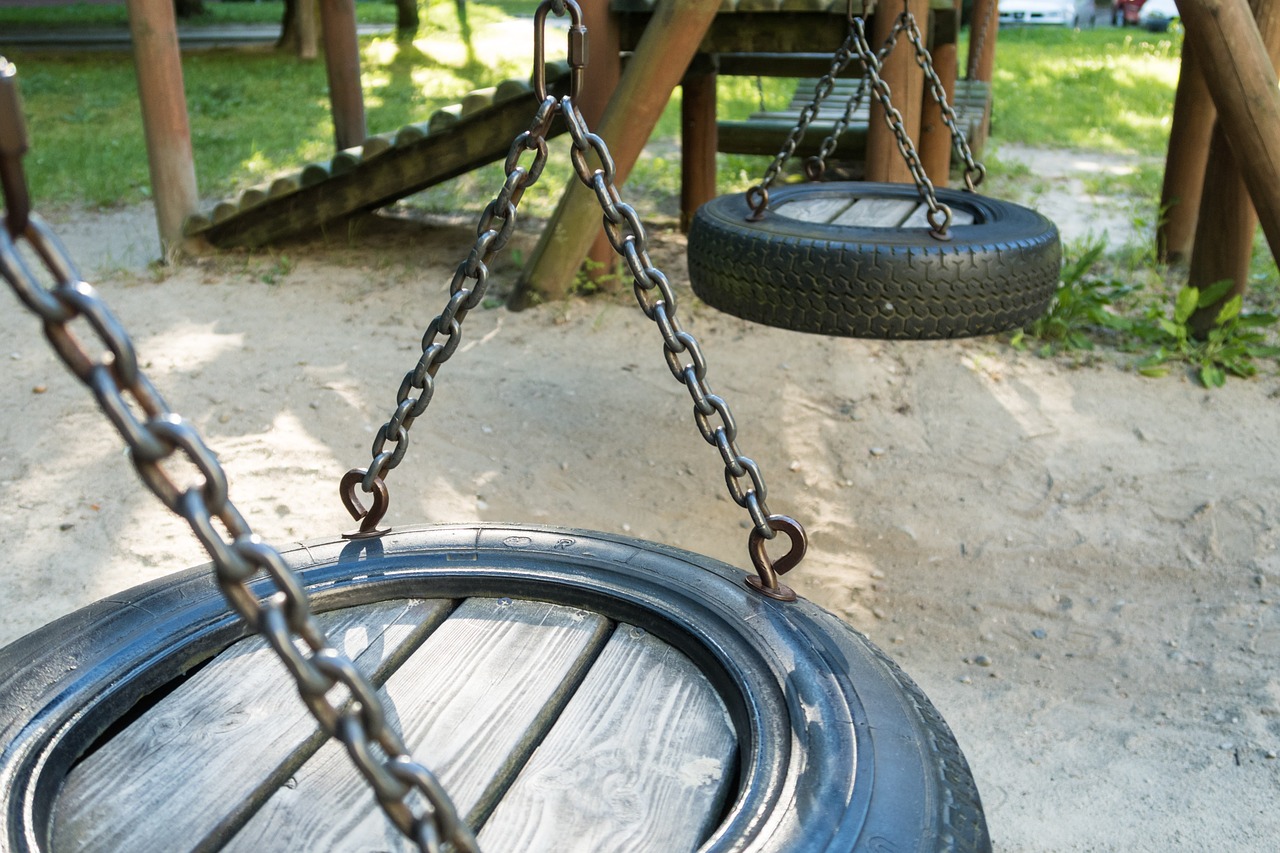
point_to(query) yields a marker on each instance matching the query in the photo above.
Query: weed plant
(1091, 308)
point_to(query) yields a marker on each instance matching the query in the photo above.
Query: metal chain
(626, 234)
(974, 172)
(939, 214)
(816, 165)
(657, 299)
(156, 435)
(444, 334)
(758, 195)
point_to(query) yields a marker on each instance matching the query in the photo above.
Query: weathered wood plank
(813, 209)
(472, 703)
(640, 760)
(223, 740)
(877, 212)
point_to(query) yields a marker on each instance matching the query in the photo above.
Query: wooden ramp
(455, 140)
(764, 132)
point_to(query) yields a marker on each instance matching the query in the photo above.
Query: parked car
(1063, 13)
(1158, 15)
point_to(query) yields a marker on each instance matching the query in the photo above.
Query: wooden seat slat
(814, 209)
(221, 742)
(472, 702)
(877, 212)
(584, 791)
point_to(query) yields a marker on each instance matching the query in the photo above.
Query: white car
(1157, 15)
(1062, 13)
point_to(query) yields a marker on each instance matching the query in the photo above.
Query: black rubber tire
(841, 751)
(995, 275)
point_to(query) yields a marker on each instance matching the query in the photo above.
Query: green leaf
(1188, 300)
(1212, 376)
(1213, 293)
(1154, 370)
(1230, 310)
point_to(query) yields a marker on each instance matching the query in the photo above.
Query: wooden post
(906, 84)
(598, 87)
(935, 137)
(1193, 120)
(1242, 83)
(342, 61)
(1224, 235)
(158, 64)
(984, 24)
(669, 43)
(698, 139)
(308, 47)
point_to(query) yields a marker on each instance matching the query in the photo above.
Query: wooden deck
(553, 728)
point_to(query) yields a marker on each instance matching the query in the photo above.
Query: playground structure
(669, 43)
(778, 728)
(1212, 198)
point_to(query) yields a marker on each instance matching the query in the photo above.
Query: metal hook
(13, 144)
(767, 569)
(577, 53)
(370, 517)
(758, 201)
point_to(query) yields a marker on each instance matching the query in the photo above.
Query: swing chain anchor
(13, 144)
(370, 517)
(577, 50)
(768, 569)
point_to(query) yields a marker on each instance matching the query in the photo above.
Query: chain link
(657, 299)
(815, 166)
(466, 291)
(758, 195)
(161, 442)
(653, 292)
(974, 172)
(939, 214)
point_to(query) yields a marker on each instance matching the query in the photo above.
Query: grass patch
(1105, 89)
(82, 15)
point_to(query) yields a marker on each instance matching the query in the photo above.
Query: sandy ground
(1079, 566)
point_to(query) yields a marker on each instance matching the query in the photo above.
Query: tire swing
(874, 260)
(575, 691)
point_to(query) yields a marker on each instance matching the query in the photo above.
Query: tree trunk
(407, 20)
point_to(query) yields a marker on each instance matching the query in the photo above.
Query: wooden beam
(308, 37)
(1242, 82)
(983, 27)
(699, 139)
(660, 60)
(906, 84)
(1227, 221)
(935, 137)
(1193, 120)
(342, 62)
(158, 63)
(597, 90)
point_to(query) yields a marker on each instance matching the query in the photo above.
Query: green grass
(1103, 89)
(216, 13)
